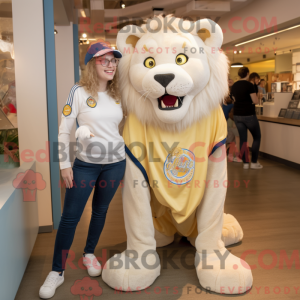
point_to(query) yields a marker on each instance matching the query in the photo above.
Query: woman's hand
(83, 132)
(67, 175)
(228, 100)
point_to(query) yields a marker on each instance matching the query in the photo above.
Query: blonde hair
(90, 82)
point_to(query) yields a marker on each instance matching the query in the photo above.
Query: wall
(64, 67)
(258, 67)
(262, 66)
(31, 96)
(283, 63)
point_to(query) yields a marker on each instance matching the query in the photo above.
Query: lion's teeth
(162, 104)
(176, 103)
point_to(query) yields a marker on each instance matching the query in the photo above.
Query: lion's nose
(164, 79)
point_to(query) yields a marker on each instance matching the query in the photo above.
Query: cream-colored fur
(137, 101)
(203, 83)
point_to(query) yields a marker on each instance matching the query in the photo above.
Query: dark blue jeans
(243, 123)
(106, 179)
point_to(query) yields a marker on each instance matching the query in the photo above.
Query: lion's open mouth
(169, 102)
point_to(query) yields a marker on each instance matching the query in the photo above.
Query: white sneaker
(236, 159)
(256, 166)
(52, 282)
(230, 157)
(93, 266)
(246, 166)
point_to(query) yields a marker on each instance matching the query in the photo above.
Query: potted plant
(9, 149)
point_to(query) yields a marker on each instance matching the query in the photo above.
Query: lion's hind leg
(162, 240)
(232, 231)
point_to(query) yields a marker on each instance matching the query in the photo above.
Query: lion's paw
(228, 275)
(132, 271)
(232, 231)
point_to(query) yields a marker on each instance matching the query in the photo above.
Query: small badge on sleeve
(67, 110)
(91, 102)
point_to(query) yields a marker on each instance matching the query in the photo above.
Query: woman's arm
(254, 98)
(68, 118)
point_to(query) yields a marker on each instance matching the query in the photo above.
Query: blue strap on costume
(137, 163)
(217, 146)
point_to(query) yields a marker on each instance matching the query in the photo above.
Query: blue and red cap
(98, 49)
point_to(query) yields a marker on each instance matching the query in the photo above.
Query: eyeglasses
(105, 62)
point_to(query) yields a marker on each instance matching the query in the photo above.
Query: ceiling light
(262, 37)
(84, 35)
(240, 51)
(237, 65)
(55, 31)
(122, 4)
(82, 12)
(235, 52)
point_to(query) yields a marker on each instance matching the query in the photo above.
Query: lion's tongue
(169, 100)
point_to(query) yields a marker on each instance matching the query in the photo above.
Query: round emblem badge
(67, 110)
(91, 102)
(179, 166)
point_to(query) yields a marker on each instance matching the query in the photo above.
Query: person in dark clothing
(254, 78)
(227, 104)
(244, 95)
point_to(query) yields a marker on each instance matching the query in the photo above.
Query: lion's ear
(209, 32)
(127, 37)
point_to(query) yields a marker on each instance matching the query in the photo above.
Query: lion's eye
(181, 59)
(149, 62)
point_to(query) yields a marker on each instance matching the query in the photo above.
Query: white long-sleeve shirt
(102, 117)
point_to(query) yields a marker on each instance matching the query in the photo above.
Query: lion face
(165, 75)
(168, 74)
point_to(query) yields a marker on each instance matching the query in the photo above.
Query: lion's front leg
(217, 269)
(138, 266)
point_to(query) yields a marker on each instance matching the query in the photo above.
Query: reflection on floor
(267, 205)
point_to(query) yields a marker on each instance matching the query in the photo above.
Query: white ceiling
(64, 12)
(281, 43)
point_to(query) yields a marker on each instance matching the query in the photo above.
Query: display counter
(279, 120)
(18, 227)
(279, 140)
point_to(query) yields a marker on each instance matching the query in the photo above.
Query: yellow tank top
(175, 167)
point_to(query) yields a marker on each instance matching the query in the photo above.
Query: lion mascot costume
(173, 80)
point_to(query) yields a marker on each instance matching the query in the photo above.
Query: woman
(227, 107)
(228, 103)
(245, 97)
(254, 78)
(100, 159)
